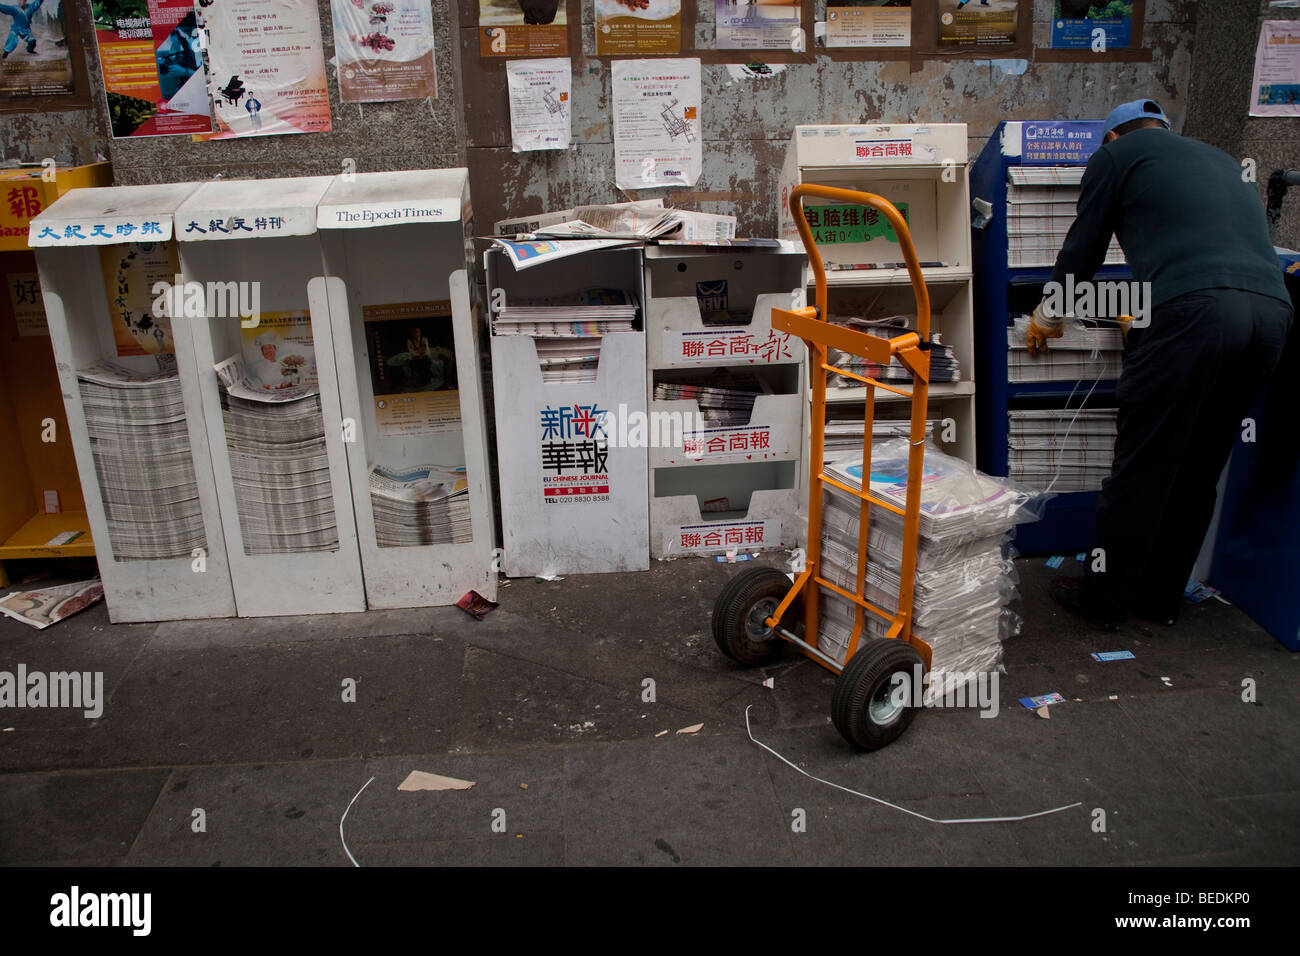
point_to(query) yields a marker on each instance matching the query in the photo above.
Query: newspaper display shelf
(29, 384)
(276, 436)
(395, 261)
(179, 569)
(572, 477)
(738, 389)
(922, 169)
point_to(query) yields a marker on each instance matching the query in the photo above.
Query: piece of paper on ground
(419, 780)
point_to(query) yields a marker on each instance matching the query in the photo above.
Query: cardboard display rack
(69, 238)
(264, 233)
(395, 257)
(590, 516)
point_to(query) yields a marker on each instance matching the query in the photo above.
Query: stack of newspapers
(141, 449)
(1041, 205)
(720, 404)
(279, 464)
(844, 438)
(963, 583)
(421, 505)
(1088, 349)
(1061, 448)
(567, 328)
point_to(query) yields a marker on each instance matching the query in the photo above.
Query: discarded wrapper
(1055, 561)
(477, 605)
(1043, 712)
(1033, 703)
(692, 729)
(419, 780)
(1113, 656)
(770, 682)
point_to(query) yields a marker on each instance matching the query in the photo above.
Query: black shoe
(1067, 592)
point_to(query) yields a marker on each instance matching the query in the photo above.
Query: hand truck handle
(900, 230)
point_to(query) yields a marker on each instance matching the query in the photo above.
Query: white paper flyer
(657, 130)
(540, 115)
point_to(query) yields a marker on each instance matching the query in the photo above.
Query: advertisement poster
(130, 271)
(764, 25)
(1275, 90)
(970, 23)
(869, 23)
(539, 103)
(384, 50)
(412, 368)
(37, 57)
(657, 123)
(575, 454)
(522, 28)
(26, 302)
(278, 351)
(267, 68)
(1073, 23)
(1049, 144)
(152, 61)
(636, 27)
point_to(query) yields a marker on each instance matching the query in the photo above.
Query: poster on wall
(638, 27)
(266, 65)
(869, 23)
(974, 23)
(26, 303)
(37, 55)
(1275, 89)
(763, 25)
(278, 351)
(657, 134)
(540, 117)
(1075, 25)
(412, 351)
(384, 50)
(522, 28)
(152, 61)
(130, 271)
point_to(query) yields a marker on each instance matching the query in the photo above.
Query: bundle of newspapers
(567, 328)
(844, 438)
(963, 581)
(642, 219)
(1088, 349)
(1041, 206)
(724, 397)
(426, 504)
(1060, 448)
(943, 361)
(279, 463)
(141, 449)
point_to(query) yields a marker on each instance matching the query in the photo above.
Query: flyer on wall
(130, 271)
(869, 23)
(539, 103)
(965, 23)
(1074, 23)
(278, 352)
(1275, 90)
(657, 134)
(384, 50)
(412, 349)
(762, 25)
(522, 28)
(267, 68)
(636, 27)
(152, 62)
(38, 56)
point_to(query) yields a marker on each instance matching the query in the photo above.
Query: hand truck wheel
(742, 608)
(877, 694)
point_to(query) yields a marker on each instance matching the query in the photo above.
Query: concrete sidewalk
(541, 704)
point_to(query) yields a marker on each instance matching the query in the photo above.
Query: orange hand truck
(876, 693)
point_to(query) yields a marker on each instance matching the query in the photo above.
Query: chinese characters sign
(831, 224)
(1057, 143)
(109, 231)
(574, 453)
(725, 346)
(25, 299)
(865, 150)
(723, 536)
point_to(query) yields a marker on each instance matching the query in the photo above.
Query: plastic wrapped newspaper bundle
(141, 448)
(426, 504)
(964, 575)
(278, 463)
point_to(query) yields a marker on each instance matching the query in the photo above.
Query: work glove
(1041, 328)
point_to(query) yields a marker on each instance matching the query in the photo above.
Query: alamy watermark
(946, 689)
(76, 689)
(213, 300)
(1098, 300)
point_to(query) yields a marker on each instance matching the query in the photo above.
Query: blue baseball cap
(1137, 109)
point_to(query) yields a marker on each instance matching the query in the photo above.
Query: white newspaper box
(571, 467)
(273, 411)
(105, 257)
(409, 384)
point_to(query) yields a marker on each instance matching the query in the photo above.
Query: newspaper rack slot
(874, 699)
(136, 425)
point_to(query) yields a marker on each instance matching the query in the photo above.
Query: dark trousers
(1189, 379)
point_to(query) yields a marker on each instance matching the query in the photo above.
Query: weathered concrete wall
(748, 122)
(1220, 95)
(378, 136)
